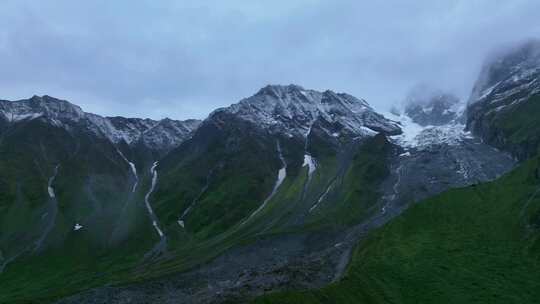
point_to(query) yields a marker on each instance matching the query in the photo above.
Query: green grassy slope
(82, 262)
(473, 245)
(92, 187)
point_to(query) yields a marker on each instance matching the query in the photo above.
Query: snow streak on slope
(323, 196)
(282, 173)
(52, 210)
(195, 200)
(310, 162)
(153, 217)
(133, 171)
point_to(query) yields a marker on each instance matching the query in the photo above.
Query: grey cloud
(184, 58)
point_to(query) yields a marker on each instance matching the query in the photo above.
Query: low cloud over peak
(166, 58)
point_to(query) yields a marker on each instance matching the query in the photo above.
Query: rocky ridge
(508, 89)
(292, 110)
(161, 135)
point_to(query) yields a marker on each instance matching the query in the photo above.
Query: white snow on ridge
(488, 91)
(61, 113)
(292, 110)
(14, 117)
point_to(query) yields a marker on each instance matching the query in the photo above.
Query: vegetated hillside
(479, 244)
(235, 181)
(269, 193)
(348, 203)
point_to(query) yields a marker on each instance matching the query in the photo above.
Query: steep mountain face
(292, 110)
(71, 181)
(434, 158)
(504, 104)
(238, 146)
(476, 242)
(54, 181)
(160, 136)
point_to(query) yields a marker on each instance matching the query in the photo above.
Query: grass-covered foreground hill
(478, 244)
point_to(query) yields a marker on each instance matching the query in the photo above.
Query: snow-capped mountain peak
(507, 90)
(508, 73)
(45, 106)
(292, 110)
(161, 135)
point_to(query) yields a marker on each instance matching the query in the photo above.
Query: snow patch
(323, 196)
(51, 192)
(60, 113)
(406, 154)
(50, 189)
(133, 171)
(77, 227)
(310, 162)
(153, 171)
(196, 199)
(367, 131)
(488, 91)
(282, 174)
(156, 226)
(13, 117)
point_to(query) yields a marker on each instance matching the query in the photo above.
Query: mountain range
(290, 195)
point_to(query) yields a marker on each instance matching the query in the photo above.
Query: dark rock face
(504, 108)
(435, 110)
(419, 174)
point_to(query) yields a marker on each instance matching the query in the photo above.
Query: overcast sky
(182, 59)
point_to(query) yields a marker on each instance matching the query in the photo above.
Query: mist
(184, 59)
